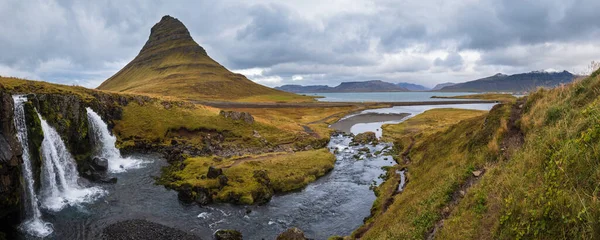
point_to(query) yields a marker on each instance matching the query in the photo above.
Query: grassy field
(282, 172)
(443, 155)
(485, 96)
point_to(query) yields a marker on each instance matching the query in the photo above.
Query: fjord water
(104, 143)
(412, 110)
(388, 96)
(33, 223)
(60, 180)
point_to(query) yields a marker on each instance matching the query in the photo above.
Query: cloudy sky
(306, 41)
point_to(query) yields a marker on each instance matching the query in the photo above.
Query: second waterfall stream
(105, 145)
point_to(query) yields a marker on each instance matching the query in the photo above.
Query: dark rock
(214, 172)
(10, 163)
(228, 234)
(223, 180)
(292, 234)
(188, 194)
(99, 164)
(246, 117)
(138, 229)
(110, 180)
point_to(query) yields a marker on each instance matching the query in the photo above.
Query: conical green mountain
(171, 63)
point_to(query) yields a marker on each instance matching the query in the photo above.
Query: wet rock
(292, 234)
(142, 229)
(228, 234)
(99, 164)
(246, 117)
(364, 138)
(214, 172)
(477, 173)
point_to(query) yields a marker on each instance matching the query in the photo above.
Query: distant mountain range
(442, 85)
(413, 87)
(366, 86)
(521, 82)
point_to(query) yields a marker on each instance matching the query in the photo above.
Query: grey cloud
(328, 46)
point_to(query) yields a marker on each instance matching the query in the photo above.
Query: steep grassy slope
(527, 170)
(171, 63)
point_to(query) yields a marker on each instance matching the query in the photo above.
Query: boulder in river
(214, 172)
(292, 234)
(99, 164)
(228, 234)
(365, 138)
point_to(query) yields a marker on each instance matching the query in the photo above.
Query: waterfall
(60, 179)
(33, 223)
(105, 145)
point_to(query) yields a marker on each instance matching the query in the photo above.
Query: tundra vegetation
(527, 169)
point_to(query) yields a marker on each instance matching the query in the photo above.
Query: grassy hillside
(526, 170)
(171, 63)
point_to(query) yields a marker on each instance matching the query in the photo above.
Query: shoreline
(226, 105)
(346, 124)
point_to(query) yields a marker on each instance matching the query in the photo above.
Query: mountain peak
(172, 64)
(169, 34)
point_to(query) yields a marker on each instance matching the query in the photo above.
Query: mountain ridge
(364, 86)
(520, 82)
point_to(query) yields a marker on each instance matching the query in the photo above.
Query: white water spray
(105, 145)
(60, 187)
(33, 224)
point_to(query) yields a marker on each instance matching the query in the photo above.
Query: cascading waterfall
(60, 187)
(33, 223)
(105, 145)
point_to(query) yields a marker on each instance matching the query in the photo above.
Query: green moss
(252, 179)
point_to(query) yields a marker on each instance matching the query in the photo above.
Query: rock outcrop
(228, 234)
(244, 116)
(10, 164)
(365, 138)
(292, 234)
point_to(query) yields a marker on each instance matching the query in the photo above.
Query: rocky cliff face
(10, 163)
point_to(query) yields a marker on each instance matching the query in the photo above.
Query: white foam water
(105, 145)
(34, 224)
(60, 187)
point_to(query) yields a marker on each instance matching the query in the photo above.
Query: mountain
(412, 86)
(442, 85)
(305, 89)
(369, 86)
(513, 83)
(365, 86)
(171, 63)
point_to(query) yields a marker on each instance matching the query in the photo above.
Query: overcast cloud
(306, 41)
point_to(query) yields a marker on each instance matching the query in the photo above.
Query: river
(335, 204)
